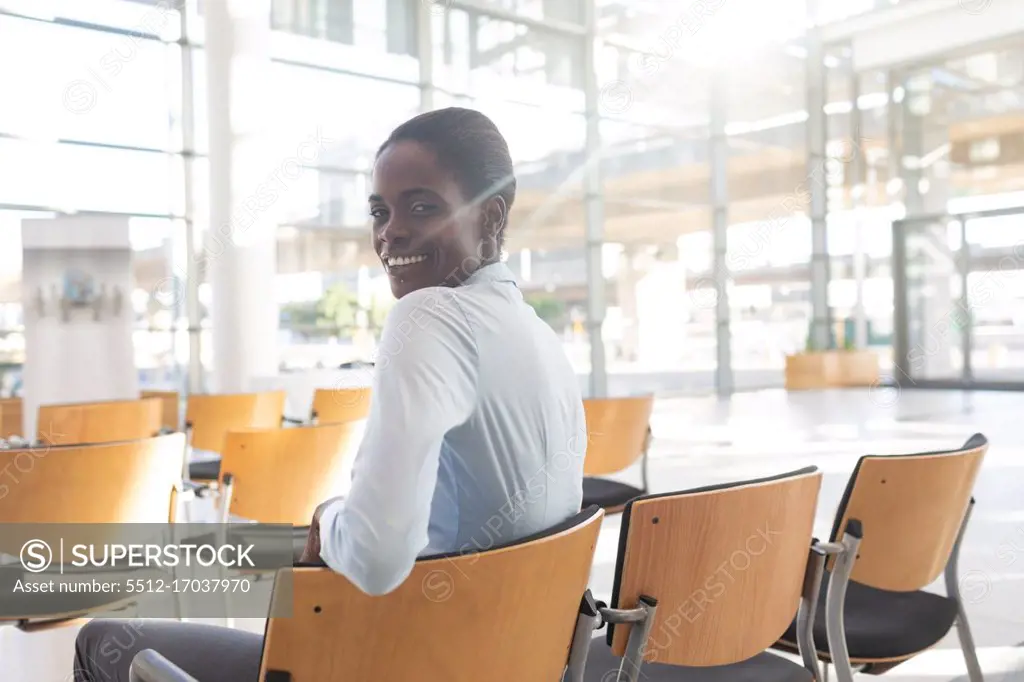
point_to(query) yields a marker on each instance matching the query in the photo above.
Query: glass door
(959, 300)
(932, 320)
(995, 296)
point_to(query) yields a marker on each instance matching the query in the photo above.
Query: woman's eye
(421, 208)
(377, 212)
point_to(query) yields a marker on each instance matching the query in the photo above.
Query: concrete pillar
(240, 245)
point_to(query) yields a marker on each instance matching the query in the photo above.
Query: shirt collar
(495, 272)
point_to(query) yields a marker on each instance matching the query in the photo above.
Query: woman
(476, 432)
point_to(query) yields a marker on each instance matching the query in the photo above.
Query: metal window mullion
(192, 310)
(592, 192)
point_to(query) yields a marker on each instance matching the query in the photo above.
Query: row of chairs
(711, 584)
(207, 416)
(619, 430)
(888, 617)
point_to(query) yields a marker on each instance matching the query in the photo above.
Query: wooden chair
(171, 408)
(315, 459)
(618, 434)
(109, 485)
(505, 613)
(11, 423)
(99, 422)
(209, 417)
(706, 580)
(340, 405)
(914, 510)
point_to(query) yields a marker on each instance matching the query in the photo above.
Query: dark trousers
(105, 648)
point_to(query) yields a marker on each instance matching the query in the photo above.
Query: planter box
(831, 369)
(858, 368)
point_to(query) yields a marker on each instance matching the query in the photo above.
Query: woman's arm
(424, 385)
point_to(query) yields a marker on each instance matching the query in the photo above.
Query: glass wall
(93, 126)
(100, 125)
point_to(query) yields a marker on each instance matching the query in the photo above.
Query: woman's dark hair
(470, 146)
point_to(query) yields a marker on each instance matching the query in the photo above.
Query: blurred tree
(337, 309)
(299, 315)
(549, 309)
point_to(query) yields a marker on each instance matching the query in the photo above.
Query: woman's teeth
(407, 260)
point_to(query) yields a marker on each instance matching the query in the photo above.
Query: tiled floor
(705, 440)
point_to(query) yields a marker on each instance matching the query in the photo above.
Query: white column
(241, 244)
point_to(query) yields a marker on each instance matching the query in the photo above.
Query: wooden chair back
(617, 431)
(726, 564)
(11, 422)
(911, 508)
(211, 416)
(170, 403)
(340, 405)
(456, 618)
(281, 475)
(107, 483)
(100, 422)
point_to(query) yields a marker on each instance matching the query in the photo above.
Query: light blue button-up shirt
(476, 434)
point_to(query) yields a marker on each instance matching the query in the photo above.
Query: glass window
(482, 56)
(548, 150)
(345, 117)
(568, 11)
(97, 86)
(157, 18)
(83, 178)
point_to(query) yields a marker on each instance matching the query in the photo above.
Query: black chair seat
(204, 471)
(881, 624)
(607, 494)
(764, 667)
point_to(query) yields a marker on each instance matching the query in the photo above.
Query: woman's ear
(495, 216)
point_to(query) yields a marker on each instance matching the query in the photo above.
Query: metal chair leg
(835, 600)
(963, 628)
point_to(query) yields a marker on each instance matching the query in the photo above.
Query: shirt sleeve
(424, 384)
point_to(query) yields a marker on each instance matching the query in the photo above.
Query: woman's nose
(394, 233)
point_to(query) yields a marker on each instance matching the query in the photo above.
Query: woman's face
(425, 231)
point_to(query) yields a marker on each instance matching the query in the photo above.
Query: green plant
(549, 309)
(337, 308)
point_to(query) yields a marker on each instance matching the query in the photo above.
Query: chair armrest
(588, 620)
(150, 666)
(836, 598)
(809, 598)
(642, 618)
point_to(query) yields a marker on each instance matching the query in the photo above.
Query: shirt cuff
(328, 519)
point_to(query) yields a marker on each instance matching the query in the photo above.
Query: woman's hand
(311, 554)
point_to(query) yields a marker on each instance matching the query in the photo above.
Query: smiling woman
(443, 186)
(459, 432)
